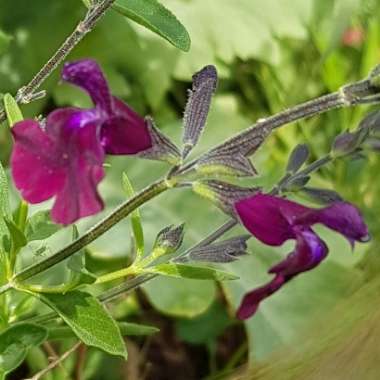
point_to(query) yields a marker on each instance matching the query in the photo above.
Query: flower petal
(269, 218)
(87, 74)
(125, 132)
(82, 159)
(34, 162)
(79, 197)
(251, 300)
(309, 252)
(64, 160)
(341, 217)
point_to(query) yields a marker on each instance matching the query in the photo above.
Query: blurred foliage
(270, 55)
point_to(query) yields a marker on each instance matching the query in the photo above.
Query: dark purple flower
(63, 156)
(122, 131)
(274, 220)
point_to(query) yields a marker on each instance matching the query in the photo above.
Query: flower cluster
(63, 156)
(274, 220)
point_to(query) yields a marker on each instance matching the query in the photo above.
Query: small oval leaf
(12, 110)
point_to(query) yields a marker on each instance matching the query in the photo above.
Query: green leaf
(15, 343)
(40, 226)
(12, 110)
(129, 329)
(180, 297)
(18, 237)
(126, 329)
(137, 229)
(89, 320)
(191, 271)
(4, 205)
(157, 18)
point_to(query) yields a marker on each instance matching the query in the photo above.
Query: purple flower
(274, 220)
(122, 130)
(63, 156)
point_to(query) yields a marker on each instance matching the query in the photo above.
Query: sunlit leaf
(89, 320)
(157, 18)
(12, 110)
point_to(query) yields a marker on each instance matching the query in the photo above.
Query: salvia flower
(63, 156)
(274, 220)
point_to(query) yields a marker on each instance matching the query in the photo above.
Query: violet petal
(251, 300)
(341, 217)
(125, 132)
(87, 75)
(269, 218)
(34, 163)
(310, 250)
(63, 160)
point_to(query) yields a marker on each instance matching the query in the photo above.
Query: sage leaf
(88, 319)
(15, 343)
(157, 18)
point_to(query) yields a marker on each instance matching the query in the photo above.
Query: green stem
(99, 229)
(60, 289)
(132, 270)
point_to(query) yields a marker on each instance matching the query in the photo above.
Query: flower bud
(168, 240)
(348, 142)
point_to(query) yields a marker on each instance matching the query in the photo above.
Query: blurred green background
(270, 55)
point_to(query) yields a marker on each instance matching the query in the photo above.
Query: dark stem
(26, 93)
(308, 109)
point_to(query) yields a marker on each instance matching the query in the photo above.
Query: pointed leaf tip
(157, 18)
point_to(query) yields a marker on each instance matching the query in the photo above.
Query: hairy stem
(99, 229)
(28, 93)
(302, 111)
